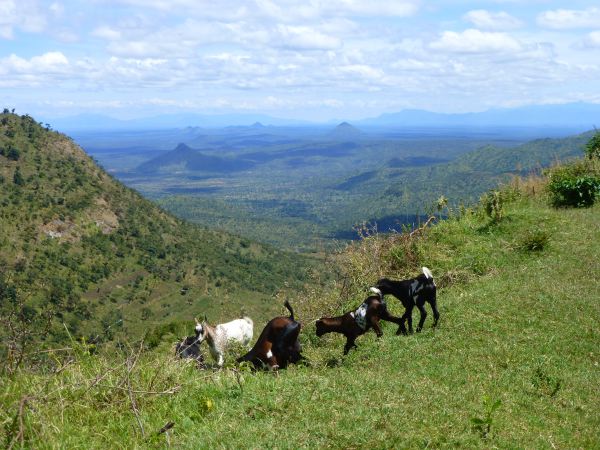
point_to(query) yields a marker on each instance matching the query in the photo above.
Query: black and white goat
(358, 322)
(415, 291)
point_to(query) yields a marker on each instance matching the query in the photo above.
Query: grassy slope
(518, 325)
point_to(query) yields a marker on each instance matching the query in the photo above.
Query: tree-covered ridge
(383, 183)
(80, 248)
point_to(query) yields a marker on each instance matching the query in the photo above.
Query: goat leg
(376, 327)
(421, 307)
(436, 314)
(408, 317)
(349, 344)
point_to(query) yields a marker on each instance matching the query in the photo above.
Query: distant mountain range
(575, 116)
(97, 122)
(570, 115)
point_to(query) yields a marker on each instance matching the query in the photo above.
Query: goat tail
(428, 274)
(376, 291)
(289, 308)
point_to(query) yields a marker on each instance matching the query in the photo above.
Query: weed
(493, 203)
(483, 425)
(534, 240)
(545, 384)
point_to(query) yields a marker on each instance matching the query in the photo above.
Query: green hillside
(514, 363)
(79, 248)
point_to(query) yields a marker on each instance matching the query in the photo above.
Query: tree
(592, 148)
(18, 178)
(13, 154)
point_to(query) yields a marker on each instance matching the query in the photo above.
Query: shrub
(579, 192)
(18, 178)
(13, 154)
(576, 184)
(493, 203)
(534, 240)
(592, 148)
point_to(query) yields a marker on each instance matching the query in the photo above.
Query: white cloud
(495, 21)
(107, 32)
(475, 41)
(561, 19)
(46, 63)
(25, 15)
(381, 8)
(282, 10)
(306, 38)
(592, 40)
(45, 69)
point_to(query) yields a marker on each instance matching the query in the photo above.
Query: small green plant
(483, 425)
(544, 383)
(493, 205)
(534, 240)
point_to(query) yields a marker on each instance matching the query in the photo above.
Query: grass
(515, 362)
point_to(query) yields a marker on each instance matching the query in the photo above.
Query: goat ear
(197, 321)
(205, 319)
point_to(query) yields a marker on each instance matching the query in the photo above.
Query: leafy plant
(579, 192)
(576, 184)
(493, 203)
(592, 148)
(483, 425)
(534, 240)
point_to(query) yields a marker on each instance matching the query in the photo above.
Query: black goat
(415, 291)
(189, 348)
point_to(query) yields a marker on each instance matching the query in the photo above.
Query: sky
(302, 59)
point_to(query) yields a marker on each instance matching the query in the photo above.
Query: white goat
(217, 337)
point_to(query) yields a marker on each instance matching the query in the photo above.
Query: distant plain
(317, 185)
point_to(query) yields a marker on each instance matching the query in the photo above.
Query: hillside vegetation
(81, 252)
(315, 193)
(514, 363)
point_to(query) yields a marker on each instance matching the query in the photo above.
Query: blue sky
(304, 59)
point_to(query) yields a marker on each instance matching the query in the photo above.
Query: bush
(592, 148)
(493, 203)
(13, 154)
(534, 240)
(576, 184)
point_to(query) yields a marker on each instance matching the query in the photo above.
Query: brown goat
(278, 344)
(358, 322)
